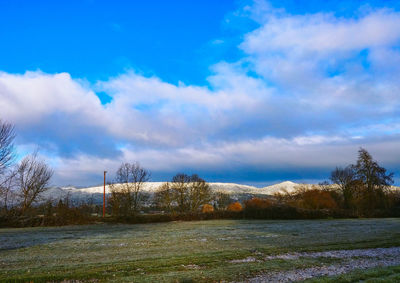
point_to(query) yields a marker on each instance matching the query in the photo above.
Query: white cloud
(33, 96)
(323, 33)
(326, 62)
(143, 110)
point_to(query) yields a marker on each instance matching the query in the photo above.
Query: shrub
(236, 206)
(257, 203)
(207, 208)
(317, 199)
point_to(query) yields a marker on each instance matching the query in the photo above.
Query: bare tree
(117, 201)
(32, 177)
(189, 192)
(163, 197)
(345, 179)
(7, 136)
(7, 184)
(129, 181)
(179, 186)
(7, 155)
(199, 192)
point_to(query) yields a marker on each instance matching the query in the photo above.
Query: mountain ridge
(236, 191)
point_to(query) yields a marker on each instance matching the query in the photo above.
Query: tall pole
(104, 195)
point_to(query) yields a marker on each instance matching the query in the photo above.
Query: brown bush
(236, 206)
(317, 199)
(314, 197)
(258, 203)
(207, 208)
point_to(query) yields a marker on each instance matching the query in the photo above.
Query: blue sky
(253, 92)
(97, 39)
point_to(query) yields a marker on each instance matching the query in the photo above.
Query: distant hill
(236, 191)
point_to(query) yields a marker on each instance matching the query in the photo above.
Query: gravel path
(352, 259)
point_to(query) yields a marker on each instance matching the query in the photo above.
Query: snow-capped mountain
(237, 191)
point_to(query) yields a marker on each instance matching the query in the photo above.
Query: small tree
(164, 198)
(189, 193)
(199, 192)
(32, 177)
(128, 185)
(117, 202)
(179, 187)
(345, 179)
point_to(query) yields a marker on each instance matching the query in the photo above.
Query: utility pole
(104, 195)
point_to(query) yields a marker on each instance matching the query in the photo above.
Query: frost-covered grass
(201, 251)
(373, 275)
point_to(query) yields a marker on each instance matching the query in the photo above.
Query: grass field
(230, 250)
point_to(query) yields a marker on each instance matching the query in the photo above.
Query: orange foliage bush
(258, 203)
(236, 206)
(317, 199)
(207, 208)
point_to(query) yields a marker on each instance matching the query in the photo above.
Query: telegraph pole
(104, 195)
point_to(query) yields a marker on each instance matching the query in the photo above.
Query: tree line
(364, 185)
(363, 189)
